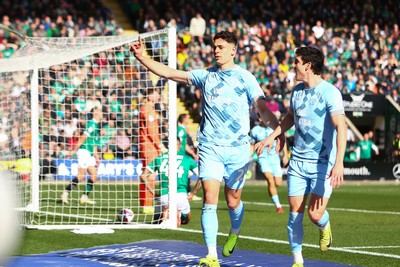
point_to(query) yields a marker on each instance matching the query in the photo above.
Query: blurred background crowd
(359, 38)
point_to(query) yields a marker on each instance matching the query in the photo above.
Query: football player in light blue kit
(224, 148)
(316, 164)
(270, 162)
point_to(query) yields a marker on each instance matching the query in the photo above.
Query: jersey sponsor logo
(301, 112)
(304, 122)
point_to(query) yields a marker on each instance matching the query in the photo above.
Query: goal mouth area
(49, 89)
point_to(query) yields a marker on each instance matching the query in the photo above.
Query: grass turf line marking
(365, 247)
(330, 208)
(353, 251)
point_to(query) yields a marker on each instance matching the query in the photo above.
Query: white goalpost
(49, 90)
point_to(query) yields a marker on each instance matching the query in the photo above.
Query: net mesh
(50, 90)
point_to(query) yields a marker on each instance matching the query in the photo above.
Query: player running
(88, 158)
(270, 163)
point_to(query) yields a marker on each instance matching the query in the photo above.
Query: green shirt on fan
(365, 149)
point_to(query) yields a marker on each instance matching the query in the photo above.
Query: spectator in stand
(116, 108)
(123, 143)
(92, 102)
(80, 104)
(197, 63)
(366, 146)
(395, 96)
(352, 153)
(396, 148)
(198, 27)
(273, 105)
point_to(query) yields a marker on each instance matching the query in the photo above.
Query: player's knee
(278, 183)
(233, 204)
(210, 198)
(314, 216)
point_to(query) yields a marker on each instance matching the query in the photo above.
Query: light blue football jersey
(259, 133)
(315, 135)
(227, 96)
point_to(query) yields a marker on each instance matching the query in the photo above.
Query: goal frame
(34, 206)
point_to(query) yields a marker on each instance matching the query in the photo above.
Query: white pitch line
(330, 208)
(371, 247)
(353, 251)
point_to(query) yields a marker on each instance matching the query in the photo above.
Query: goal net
(50, 91)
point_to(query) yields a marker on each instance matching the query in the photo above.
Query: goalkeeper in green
(88, 158)
(184, 164)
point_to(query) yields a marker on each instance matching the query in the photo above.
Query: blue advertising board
(107, 170)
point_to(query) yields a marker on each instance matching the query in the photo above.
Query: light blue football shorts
(224, 162)
(271, 164)
(305, 177)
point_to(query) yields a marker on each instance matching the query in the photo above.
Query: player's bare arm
(337, 172)
(285, 155)
(267, 116)
(80, 142)
(195, 190)
(278, 134)
(271, 121)
(144, 179)
(156, 67)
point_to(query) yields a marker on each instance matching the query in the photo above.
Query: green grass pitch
(365, 221)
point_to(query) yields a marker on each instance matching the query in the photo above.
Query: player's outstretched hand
(267, 142)
(137, 47)
(336, 175)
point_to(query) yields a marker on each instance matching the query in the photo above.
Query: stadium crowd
(360, 40)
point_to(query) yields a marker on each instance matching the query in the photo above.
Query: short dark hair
(230, 37)
(313, 55)
(181, 117)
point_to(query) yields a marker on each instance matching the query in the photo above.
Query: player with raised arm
(316, 164)
(224, 148)
(88, 158)
(159, 165)
(270, 162)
